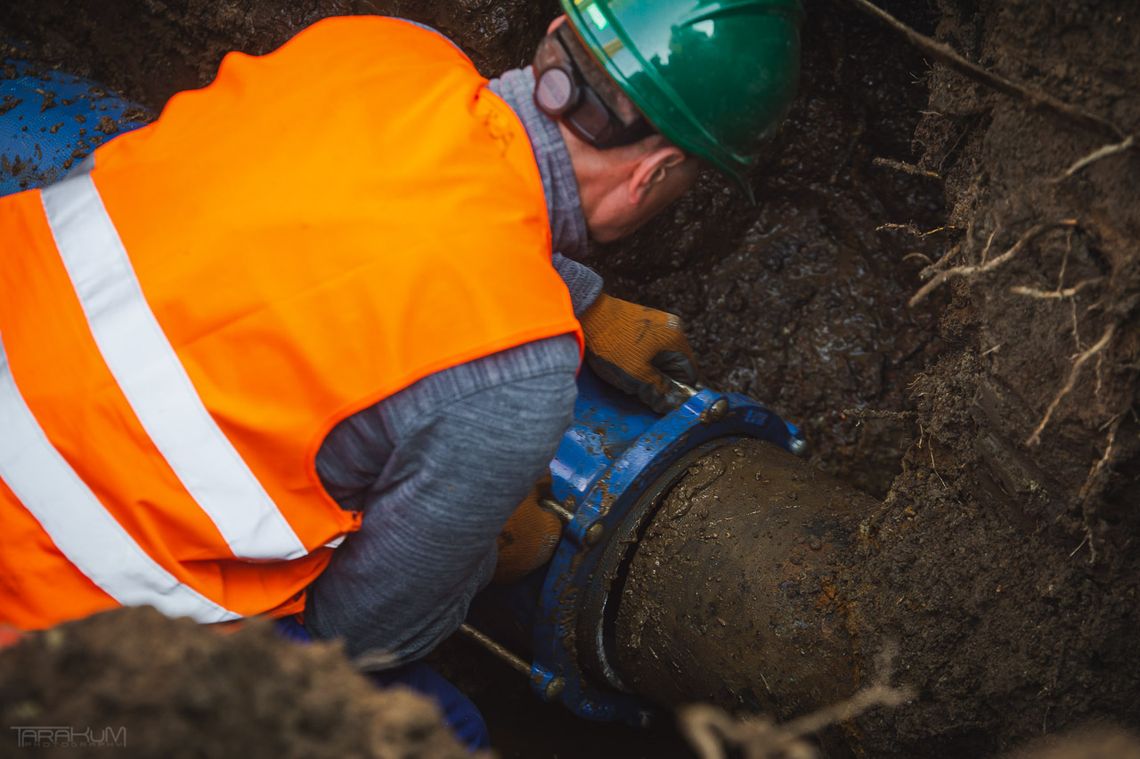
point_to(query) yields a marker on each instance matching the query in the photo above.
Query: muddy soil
(172, 688)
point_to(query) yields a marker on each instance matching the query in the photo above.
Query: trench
(949, 537)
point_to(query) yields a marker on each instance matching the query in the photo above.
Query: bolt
(716, 411)
(555, 507)
(554, 688)
(798, 446)
(497, 649)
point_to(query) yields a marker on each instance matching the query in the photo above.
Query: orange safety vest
(182, 325)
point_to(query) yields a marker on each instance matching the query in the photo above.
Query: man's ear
(556, 23)
(651, 171)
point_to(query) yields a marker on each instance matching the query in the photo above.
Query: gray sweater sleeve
(584, 284)
(436, 470)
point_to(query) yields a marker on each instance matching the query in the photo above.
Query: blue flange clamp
(613, 465)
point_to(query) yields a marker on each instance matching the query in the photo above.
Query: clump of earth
(170, 687)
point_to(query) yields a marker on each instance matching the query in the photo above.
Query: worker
(301, 347)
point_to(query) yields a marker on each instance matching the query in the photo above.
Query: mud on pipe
(733, 595)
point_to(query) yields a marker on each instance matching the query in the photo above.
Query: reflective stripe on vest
(153, 380)
(78, 524)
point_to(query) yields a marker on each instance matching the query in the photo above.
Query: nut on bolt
(554, 688)
(716, 411)
(595, 533)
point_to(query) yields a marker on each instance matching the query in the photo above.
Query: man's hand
(529, 537)
(639, 350)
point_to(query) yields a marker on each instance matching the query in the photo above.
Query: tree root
(989, 244)
(1070, 383)
(1103, 461)
(1036, 99)
(911, 229)
(1094, 485)
(871, 413)
(1060, 294)
(987, 265)
(711, 731)
(906, 168)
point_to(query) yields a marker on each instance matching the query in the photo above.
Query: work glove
(639, 350)
(529, 537)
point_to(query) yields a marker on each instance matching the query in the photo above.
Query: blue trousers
(458, 711)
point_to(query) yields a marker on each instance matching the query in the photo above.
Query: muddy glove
(529, 537)
(638, 350)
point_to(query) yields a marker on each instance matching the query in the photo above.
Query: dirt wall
(1005, 557)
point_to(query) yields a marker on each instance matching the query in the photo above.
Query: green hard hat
(715, 77)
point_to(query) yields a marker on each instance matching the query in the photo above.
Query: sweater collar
(563, 204)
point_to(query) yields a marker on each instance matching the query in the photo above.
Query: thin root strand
(1105, 151)
(1070, 383)
(1068, 292)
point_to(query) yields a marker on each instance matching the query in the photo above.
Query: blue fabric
(458, 711)
(46, 117)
